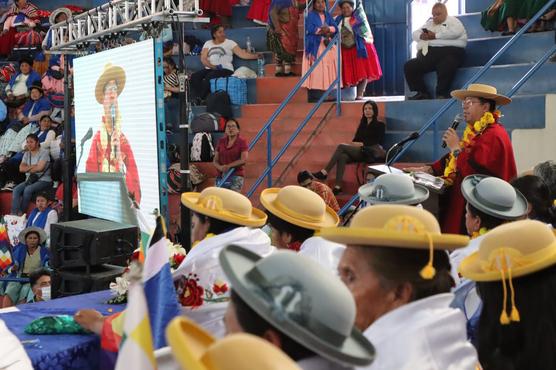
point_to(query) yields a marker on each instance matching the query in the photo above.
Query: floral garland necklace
(470, 132)
(476, 234)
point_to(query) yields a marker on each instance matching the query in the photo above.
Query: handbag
(348, 37)
(33, 177)
(235, 87)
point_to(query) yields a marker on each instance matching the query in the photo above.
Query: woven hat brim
(392, 238)
(470, 267)
(268, 198)
(237, 262)
(256, 219)
(421, 194)
(111, 73)
(499, 99)
(24, 232)
(518, 210)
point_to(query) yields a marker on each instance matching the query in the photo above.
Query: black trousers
(200, 81)
(444, 60)
(344, 154)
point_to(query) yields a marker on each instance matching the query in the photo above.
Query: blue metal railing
(267, 128)
(433, 120)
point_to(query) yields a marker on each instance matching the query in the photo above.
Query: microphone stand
(68, 147)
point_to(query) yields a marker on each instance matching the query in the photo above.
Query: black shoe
(319, 175)
(337, 190)
(419, 96)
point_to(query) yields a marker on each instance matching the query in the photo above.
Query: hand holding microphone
(450, 138)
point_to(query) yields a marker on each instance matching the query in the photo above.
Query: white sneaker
(10, 185)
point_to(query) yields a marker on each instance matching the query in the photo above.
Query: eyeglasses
(470, 101)
(111, 89)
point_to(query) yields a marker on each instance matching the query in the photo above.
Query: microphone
(457, 120)
(414, 135)
(88, 135)
(113, 114)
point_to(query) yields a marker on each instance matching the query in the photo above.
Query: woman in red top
(231, 152)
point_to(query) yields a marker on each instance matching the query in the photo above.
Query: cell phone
(424, 30)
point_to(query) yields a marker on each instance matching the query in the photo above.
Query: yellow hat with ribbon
(225, 205)
(508, 251)
(110, 73)
(299, 206)
(397, 226)
(196, 349)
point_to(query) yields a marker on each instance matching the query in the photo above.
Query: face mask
(45, 292)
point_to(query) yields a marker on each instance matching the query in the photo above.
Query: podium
(434, 184)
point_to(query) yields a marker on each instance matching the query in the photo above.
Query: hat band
(288, 302)
(514, 259)
(295, 214)
(487, 203)
(380, 193)
(215, 204)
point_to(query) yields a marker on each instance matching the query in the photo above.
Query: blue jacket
(18, 255)
(312, 39)
(34, 77)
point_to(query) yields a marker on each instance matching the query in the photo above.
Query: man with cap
(295, 214)
(220, 217)
(297, 305)
(485, 148)
(490, 202)
(110, 150)
(392, 188)
(196, 349)
(398, 271)
(307, 180)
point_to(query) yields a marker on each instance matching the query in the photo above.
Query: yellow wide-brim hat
(196, 349)
(225, 205)
(393, 225)
(481, 91)
(299, 206)
(110, 73)
(524, 246)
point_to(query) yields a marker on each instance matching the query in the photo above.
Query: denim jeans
(22, 194)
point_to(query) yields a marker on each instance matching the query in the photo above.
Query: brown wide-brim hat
(110, 73)
(481, 91)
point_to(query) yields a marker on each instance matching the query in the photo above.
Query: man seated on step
(441, 43)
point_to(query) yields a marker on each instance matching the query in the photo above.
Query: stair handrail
(474, 78)
(266, 127)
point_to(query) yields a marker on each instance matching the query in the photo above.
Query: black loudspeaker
(91, 242)
(77, 281)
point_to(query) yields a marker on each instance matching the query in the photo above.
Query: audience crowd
(392, 286)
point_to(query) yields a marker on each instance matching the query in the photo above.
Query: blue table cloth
(60, 352)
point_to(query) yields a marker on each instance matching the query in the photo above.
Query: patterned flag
(5, 249)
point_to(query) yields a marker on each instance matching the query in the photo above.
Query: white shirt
(422, 335)
(12, 354)
(20, 85)
(202, 261)
(51, 218)
(325, 252)
(449, 33)
(221, 54)
(460, 254)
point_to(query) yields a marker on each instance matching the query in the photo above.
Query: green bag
(61, 324)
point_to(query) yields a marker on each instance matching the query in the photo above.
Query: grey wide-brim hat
(27, 230)
(301, 299)
(57, 12)
(494, 196)
(392, 188)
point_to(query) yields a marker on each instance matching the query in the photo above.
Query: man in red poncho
(485, 148)
(110, 150)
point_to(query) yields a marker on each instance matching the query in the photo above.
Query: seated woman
(46, 136)
(398, 271)
(366, 146)
(360, 64)
(36, 166)
(22, 13)
(35, 107)
(505, 14)
(18, 87)
(515, 273)
(53, 86)
(231, 152)
(28, 256)
(283, 33)
(43, 215)
(320, 28)
(539, 200)
(217, 56)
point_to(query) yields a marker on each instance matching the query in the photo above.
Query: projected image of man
(110, 150)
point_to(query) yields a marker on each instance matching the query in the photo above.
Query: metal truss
(120, 16)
